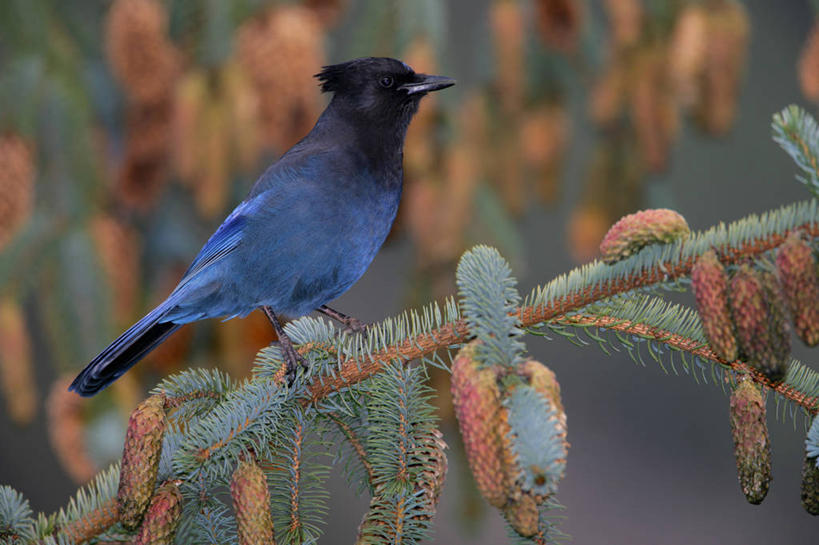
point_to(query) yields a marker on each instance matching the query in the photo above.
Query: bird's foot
(351, 324)
(292, 360)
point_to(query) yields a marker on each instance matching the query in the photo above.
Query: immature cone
(16, 364)
(751, 446)
(796, 268)
(140, 460)
(688, 52)
(139, 50)
(251, 503)
(778, 326)
(810, 485)
(476, 399)
(760, 328)
(710, 286)
(636, 231)
(16, 186)
(162, 517)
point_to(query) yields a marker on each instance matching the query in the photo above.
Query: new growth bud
(751, 446)
(251, 503)
(162, 518)
(710, 286)
(796, 268)
(140, 460)
(636, 231)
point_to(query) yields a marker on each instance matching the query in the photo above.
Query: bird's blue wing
(223, 242)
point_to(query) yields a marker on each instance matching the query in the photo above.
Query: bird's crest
(334, 77)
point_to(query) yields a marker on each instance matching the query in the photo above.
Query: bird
(309, 227)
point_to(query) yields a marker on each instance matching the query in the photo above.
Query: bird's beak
(425, 83)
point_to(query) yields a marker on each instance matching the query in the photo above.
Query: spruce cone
(251, 502)
(751, 445)
(810, 486)
(523, 515)
(139, 50)
(16, 365)
(140, 460)
(636, 231)
(778, 327)
(477, 405)
(796, 268)
(16, 186)
(688, 52)
(760, 327)
(162, 517)
(710, 286)
(626, 21)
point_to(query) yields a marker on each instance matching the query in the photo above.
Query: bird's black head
(379, 90)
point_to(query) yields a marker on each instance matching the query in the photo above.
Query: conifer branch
(354, 441)
(695, 348)
(93, 523)
(354, 371)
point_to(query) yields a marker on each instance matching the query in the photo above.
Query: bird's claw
(354, 325)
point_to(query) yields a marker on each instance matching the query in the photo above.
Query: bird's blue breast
(308, 232)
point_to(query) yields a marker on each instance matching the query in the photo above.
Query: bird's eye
(386, 82)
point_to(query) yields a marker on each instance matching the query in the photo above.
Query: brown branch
(356, 444)
(693, 347)
(93, 523)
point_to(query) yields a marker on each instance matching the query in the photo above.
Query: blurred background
(130, 128)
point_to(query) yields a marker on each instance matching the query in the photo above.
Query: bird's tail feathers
(123, 353)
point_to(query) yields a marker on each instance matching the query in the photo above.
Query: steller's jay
(310, 226)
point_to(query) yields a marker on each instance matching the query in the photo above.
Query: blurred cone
(16, 185)
(560, 23)
(728, 30)
(329, 12)
(508, 33)
(808, 67)
(626, 20)
(281, 49)
(687, 54)
(138, 48)
(66, 430)
(653, 111)
(16, 364)
(544, 139)
(119, 251)
(609, 93)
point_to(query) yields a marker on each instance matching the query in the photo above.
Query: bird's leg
(291, 357)
(352, 324)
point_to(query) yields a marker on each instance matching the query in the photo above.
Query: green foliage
(797, 132)
(298, 493)
(16, 523)
(488, 299)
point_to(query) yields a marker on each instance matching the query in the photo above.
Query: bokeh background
(128, 129)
